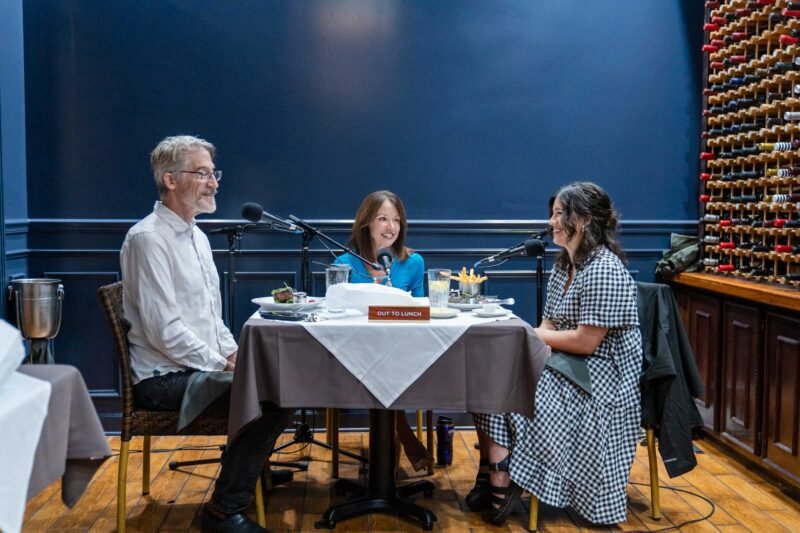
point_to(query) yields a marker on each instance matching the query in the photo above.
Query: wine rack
(750, 192)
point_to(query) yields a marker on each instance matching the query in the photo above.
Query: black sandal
(479, 497)
(510, 495)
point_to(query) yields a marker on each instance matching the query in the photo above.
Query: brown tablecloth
(72, 445)
(492, 368)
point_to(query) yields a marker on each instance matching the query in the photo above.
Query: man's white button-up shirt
(171, 298)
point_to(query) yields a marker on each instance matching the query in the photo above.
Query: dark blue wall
(14, 205)
(473, 111)
(467, 109)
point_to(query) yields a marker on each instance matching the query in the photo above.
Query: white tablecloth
(23, 408)
(388, 357)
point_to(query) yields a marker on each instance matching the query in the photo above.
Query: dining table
(464, 364)
(52, 432)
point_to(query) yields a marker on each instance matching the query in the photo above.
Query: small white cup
(490, 309)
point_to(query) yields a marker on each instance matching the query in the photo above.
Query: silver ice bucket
(38, 305)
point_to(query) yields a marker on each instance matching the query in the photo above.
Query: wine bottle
(740, 58)
(745, 198)
(787, 249)
(783, 172)
(708, 217)
(774, 223)
(714, 198)
(775, 18)
(741, 175)
(710, 261)
(784, 198)
(711, 239)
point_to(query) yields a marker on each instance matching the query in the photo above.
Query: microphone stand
(302, 432)
(538, 251)
(235, 234)
(534, 247)
(312, 231)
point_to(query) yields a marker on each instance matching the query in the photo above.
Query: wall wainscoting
(84, 254)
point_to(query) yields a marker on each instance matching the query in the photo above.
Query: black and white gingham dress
(577, 450)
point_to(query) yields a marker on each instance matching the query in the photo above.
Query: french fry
(470, 277)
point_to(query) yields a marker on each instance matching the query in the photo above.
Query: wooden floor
(744, 501)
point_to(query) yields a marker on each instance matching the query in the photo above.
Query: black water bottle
(444, 441)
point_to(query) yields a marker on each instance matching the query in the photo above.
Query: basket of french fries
(469, 285)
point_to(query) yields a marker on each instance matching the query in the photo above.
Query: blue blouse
(406, 275)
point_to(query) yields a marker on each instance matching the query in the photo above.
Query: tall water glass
(438, 288)
(334, 275)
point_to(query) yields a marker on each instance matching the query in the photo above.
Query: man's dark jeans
(244, 458)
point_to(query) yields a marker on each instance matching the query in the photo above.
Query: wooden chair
(145, 423)
(655, 497)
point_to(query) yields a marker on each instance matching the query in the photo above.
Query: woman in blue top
(381, 223)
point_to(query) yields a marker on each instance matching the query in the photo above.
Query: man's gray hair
(170, 156)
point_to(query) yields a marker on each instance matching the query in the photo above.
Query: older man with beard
(172, 301)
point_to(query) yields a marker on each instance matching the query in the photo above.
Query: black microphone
(531, 247)
(255, 213)
(542, 233)
(385, 258)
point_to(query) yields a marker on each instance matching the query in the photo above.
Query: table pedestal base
(381, 494)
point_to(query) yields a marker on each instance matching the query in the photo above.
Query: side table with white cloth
(23, 408)
(464, 364)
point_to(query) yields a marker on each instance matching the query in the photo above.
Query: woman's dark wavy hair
(360, 238)
(586, 200)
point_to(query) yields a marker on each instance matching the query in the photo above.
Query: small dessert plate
(444, 313)
(498, 313)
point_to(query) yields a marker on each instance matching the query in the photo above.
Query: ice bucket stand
(38, 302)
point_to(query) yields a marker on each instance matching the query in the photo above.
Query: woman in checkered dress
(578, 448)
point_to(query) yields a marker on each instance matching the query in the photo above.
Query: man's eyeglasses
(203, 175)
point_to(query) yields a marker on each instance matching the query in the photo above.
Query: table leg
(381, 493)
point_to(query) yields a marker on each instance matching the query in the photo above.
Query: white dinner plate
(464, 306)
(268, 304)
(444, 313)
(500, 312)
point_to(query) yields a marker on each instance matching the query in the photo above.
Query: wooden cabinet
(783, 388)
(746, 340)
(702, 321)
(742, 380)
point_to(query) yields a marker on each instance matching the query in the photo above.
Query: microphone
(531, 247)
(542, 233)
(255, 213)
(385, 258)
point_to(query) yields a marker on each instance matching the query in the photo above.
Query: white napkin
(360, 296)
(387, 358)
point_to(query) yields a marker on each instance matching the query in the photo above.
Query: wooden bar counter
(746, 338)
